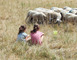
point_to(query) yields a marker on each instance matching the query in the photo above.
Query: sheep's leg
(74, 22)
(58, 23)
(42, 19)
(50, 19)
(47, 18)
(63, 20)
(37, 19)
(33, 20)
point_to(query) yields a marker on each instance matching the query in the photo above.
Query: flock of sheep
(54, 15)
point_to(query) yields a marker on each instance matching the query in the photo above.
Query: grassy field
(62, 46)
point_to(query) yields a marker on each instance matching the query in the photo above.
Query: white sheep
(63, 15)
(35, 16)
(39, 17)
(71, 18)
(67, 8)
(56, 17)
(50, 14)
(47, 12)
(29, 15)
(73, 11)
(56, 9)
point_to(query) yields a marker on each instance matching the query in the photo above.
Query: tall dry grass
(55, 47)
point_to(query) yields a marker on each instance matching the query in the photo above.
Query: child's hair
(35, 28)
(22, 28)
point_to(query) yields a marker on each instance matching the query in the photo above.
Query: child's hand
(28, 38)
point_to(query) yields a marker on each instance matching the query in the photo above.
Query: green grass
(55, 47)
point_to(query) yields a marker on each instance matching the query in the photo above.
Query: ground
(62, 46)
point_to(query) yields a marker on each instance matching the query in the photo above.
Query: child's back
(36, 37)
(21, 36)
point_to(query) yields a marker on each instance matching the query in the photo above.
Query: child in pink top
(36, 35)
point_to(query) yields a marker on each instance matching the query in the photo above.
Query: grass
(55, 47)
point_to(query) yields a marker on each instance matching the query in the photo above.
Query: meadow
(62, 46)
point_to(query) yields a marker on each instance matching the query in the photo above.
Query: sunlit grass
(55, 47)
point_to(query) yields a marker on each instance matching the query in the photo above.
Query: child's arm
(42, 36)
(28, 38)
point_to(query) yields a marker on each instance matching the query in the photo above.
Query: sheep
(56, 9)
(73, 11)
(53, 15)
(35, 16)
(29, 15)
(75, 8)
(67, 16)
(67, 8)
(50, 14)
(56, 16)
(63, 14)
(41, 9)
(75, 18)
(47, 12)
(53, 8)
(71, 18)
(39, 17)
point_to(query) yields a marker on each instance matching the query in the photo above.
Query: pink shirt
(36, 37)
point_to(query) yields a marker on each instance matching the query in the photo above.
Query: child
(22, 36)
(36, 35)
